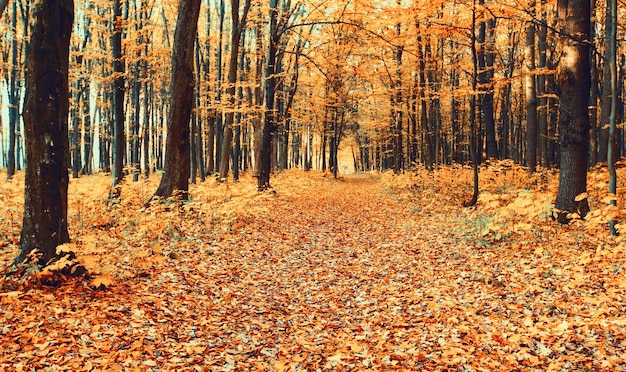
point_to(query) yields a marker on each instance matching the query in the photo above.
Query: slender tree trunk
(145, 135)
(505, 101)
(605, 100)
(542, 116)
(238, 25)
(269, 120)
(531, 100)
(46, 112)
(473, 135)
(426, 137)
(200, 115)
(193, 169)
(177, 156)
(13, 97)
(219, 117)
(119, 138)
(612, 66)
(398, 153)
(486, 38)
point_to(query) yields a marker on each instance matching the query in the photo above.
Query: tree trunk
(542, 116)
(612, 66)
(531, 100)
(486, 38)
(269, 119)
(238, 25)
(119, 138)
(177, 156)
(473, 137)
(605, 99)
(398, 153)
(219, 116)
(145, 135)
(75, 130)
(574, 80)
(86, 113)
(45, 120)
(13, 97)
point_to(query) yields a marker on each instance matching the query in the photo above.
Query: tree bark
(542, 115)
(177, 156)
(574, 81)
(611, 148)
(473, 137)
(486, 38)
(398, 152)
(531, 100)
(238, 25)
(13, 97)
(45, 115)
(269, 119)
(605, 99)
(119, 138)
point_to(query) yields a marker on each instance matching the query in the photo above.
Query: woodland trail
(319, 275)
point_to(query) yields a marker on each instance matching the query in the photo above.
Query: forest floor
(367, 272)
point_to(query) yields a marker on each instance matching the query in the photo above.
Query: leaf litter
(364, 273)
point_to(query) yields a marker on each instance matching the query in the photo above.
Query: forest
(312, 185)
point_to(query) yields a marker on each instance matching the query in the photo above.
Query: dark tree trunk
(605, 99)
(219, 128)
(145, 135)
(505, 101)
(238, 25)
(473, 137)
(574, 80)
(398, 152)
(45, 120)
(612, 66)
(257, 121)
(269, 119)
(542, 116)
(531, 100)
(486, 38)
(177, 156)
(119, 138)
(88, 154)
(75, 146)
(199, 153)
(13, 97)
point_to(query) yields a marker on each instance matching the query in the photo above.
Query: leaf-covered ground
(362, 273)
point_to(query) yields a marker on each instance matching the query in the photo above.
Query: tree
(612, 64)
(486, 59)
(269, 118)
(531, 99)
(117, 170)
(473, 137)
(238, 26)
(177, 155)
(45, 115)
(607, 94)
(574, 82)
(15, 91)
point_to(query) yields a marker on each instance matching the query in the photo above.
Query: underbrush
(512, 205)
(129, 235)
